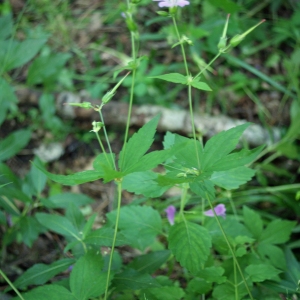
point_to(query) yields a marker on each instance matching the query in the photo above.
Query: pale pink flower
(172, 3)
(220, 210)
(171, 210)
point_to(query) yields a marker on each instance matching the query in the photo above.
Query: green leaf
(64, 200)
(133, 280)
(58, 224)
(53, 292)
(261, 272)
(9, 206)
(212, 274)
(150, 262)
(198, 286)
(104, 237)
(277, 232)
(6, 26)
(87, 279)
(143, 183)
(75, 216)
(172, 77)
(190, 243)
(74, 179)
(163, 292)
(203, 189)
(40, 273)
(30, 230)
(45, 68)
(220, 145)
(236, 159)
(201, 86)
(232, 178)
(272, 254)
(227, 291)
(138, 145)
(36, 178)
(14, 54)
(139, 224)
(227, 5)
(12, 144)
(253, 221)
(7, 98)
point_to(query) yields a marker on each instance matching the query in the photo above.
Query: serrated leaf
(261, 272)
(139, 224)
(232, 178)
(30, 230)
(203, 189)
(236, 159)
(53, 292)
(277, 232)
(143, 183)
(220, 145)
(150, 262)
(138, 145)
(87, 279)
(104, 237)
(253, 221)
(63, 200)
(41, 273)
(201, 86)
(190, 243)
(103, 163)
(172, 77)
(272, 254)
(12, 144)
(164, 292)
(74, 179)
(58, 224)
(133, 280)
(212, 274)
(36, 179)
(227, 291)
(199, 286)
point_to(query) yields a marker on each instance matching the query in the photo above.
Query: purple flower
(171, 210)
(172, 3)
(220, 210)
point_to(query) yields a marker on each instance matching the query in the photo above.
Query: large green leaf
(212, 274)
(139, 224)
(74, 179)
(41, 273)
(6, 26)
(232, 178)
(150, 262)
(138, 145)
(220, 145)
(133, 280)
(11, 145)
(87, 279)
(143, 183)
(277, 232)
(58, 224)
(261, 272)
(53, 292)
(253, 221)
(190, 243)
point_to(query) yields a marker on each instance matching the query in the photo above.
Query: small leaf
(164, 292)
(212, 274)
(201, 86)
(232, 178)
(253, 221)
(172, 77)
(64, 200)
(58, 224)
(190, 243)
(30, 230)
(261, 272)
(41, 273)
(12, 144)
(87, 279)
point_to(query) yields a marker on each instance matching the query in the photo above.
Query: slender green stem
(107, 140)
(185, 187)
(193, 123)
(11, 285)
(209, 64)
(101, 146)
(230, 248)
(119, 183)
(235, 281)
(181, 45)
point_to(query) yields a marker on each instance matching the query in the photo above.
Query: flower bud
(86, 105)
(223, 40)
(163, 13)
(97, 126)
(131, 25)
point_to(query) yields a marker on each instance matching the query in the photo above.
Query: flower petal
(171, 210)
(220, 210)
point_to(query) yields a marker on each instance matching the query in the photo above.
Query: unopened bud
(163, 13)
(223, 40)
(86, 105)
(97, 126)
